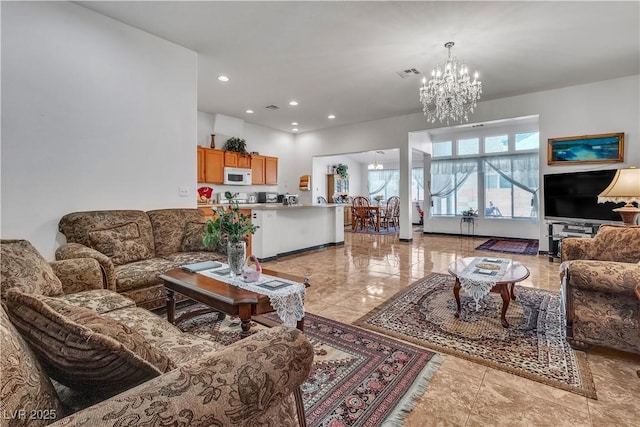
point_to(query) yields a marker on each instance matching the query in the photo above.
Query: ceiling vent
(408, 73)
(272, 107)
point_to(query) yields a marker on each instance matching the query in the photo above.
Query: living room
(99, 114)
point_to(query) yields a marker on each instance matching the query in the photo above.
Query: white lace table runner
(287, 301)
(481, 275)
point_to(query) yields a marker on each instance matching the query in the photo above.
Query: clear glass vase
(237, 254)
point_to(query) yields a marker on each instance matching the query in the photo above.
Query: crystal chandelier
(450, 94)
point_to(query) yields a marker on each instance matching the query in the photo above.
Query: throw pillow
(23, 268)
(24, 385)
(81, 349)
(192, 237)
(122, 243)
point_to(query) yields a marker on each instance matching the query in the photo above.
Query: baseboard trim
(298, 251)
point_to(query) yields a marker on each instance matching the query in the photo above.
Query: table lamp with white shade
(624, 188)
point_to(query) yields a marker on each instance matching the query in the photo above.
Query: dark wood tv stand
(558, 230)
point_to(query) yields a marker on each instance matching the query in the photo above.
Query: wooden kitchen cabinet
(200, 170)
(236, 160)
(270, 170)
(257, 169)
(210, 166)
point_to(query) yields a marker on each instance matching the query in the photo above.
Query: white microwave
(237, 176)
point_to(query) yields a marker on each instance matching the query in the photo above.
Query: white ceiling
(342, 57)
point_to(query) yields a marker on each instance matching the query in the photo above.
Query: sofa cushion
(168, 227)
(82, 349)
(77, 225)
(25, 269)
(192, 237)
(141, 274)
(99, 300)
(617, 243)
(122, 243)
(24, 385)
(181, 258)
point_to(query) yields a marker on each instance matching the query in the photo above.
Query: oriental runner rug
(532, 347)
(358, 378)
(510, 246)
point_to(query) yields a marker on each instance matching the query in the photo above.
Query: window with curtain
(511, 185)
(385, 182)
(501, 181)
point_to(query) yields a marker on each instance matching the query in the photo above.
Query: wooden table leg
(513, 294)
(302, 420)
(171, 307)
(506, 297)
(245, 319)
(456, 293)
(300, 325)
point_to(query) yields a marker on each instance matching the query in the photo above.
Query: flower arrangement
(470, 212)
(230, 225)
(378, 198)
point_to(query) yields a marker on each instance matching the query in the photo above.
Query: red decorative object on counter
(205, 192)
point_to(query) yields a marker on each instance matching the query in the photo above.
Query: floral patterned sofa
(113, 363)
(599, 277)
(135, 247)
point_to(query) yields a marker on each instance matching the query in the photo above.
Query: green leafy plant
(230, 225)
(342, 169)
(236, 145)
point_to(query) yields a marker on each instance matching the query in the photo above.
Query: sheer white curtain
(448, 175)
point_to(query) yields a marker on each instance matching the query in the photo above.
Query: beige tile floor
(350, 280)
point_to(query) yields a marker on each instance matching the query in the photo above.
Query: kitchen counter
(284, 229)
(270, 206)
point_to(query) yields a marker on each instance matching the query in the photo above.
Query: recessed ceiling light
(294, 123)
(331, 116)
(293, 103)
(295, 129)
(223, 78)
(249, 111)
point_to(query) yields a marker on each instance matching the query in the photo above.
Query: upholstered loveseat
(599, 277)
(135, 247)
(117, 364)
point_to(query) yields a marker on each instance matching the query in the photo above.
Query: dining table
(361, 211)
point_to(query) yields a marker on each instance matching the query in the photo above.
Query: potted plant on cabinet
(236, 145)
(341, 170)
(231, 229)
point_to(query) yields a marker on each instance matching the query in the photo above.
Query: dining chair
(390, 212)
(361, 210)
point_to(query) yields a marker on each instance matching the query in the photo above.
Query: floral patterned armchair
(599, 277)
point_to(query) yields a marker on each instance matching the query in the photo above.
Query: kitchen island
(284, 230)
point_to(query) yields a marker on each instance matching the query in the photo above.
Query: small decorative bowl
(250, 275)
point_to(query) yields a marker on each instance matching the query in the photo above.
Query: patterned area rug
(510, 246)
(358, 378)
(532, 347)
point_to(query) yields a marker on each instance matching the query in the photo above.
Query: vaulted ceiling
(343, 58)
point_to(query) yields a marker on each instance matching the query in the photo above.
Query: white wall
(95, 115)
(601, 107)
(321, 167)
(266, 141)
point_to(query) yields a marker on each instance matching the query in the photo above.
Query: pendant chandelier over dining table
(450, 94)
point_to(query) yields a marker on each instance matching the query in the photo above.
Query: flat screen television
(573, 197)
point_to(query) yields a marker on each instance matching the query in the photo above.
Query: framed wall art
(603, 148)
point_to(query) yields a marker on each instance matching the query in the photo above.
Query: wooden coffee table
(221, 296)
(516, 273)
